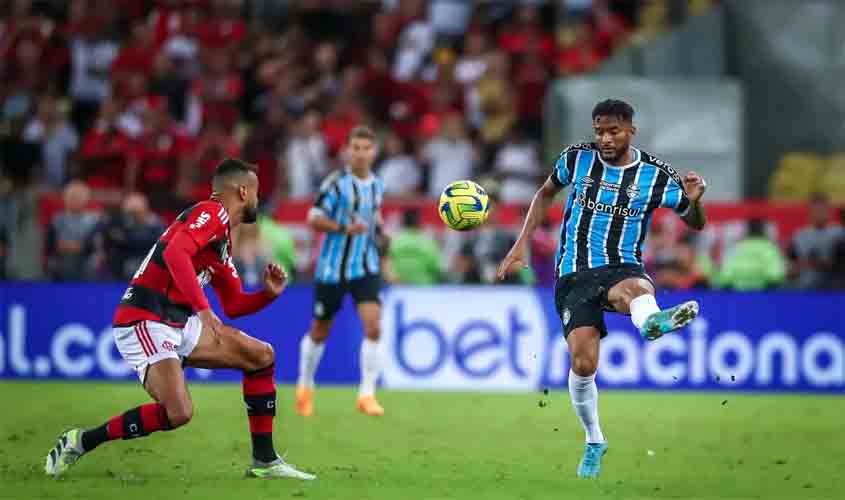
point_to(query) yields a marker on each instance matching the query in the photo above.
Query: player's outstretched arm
(320, 222)
(695, 186)
(518, 255)
(235, 301)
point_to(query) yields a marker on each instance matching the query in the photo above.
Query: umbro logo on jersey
(201, 221)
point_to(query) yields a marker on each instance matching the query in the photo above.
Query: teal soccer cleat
(590, 465)
(669, 320)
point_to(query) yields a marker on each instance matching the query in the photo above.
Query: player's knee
(373, 330)
(266, 355)
(319, 333)
(179, 413)
(584, 366)
(259, 356)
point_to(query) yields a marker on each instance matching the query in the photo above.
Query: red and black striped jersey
(153, 293)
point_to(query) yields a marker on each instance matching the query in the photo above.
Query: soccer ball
(464, 205)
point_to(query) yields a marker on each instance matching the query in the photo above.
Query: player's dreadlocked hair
(229, 168)
(614, 107)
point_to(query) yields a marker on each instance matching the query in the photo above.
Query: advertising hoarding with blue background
(466, 338)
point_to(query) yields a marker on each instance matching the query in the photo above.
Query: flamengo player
(164, 321)
(615, 190)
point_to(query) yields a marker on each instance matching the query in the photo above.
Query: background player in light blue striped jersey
(615, 190)
(347, 209)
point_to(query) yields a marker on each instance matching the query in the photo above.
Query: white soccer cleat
(66, 453)
(278, 469)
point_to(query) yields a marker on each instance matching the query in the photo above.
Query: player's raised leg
(310, 352)
(165, 382)
(233, 349)
(635, 296)
(583, 345)
(370, 314)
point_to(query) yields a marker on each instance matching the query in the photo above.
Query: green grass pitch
(435, 446)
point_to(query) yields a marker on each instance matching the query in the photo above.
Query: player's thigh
(165, 382)
(620, 295)
(232, 349)
(366, 292)
(328, 298)
(578, 302)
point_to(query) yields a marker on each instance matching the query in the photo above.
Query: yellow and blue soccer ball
(464, 205)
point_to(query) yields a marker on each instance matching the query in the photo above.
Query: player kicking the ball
(615, 190)
(164, 322)
(347, 209)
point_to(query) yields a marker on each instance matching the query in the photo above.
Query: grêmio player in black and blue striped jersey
(615, 190)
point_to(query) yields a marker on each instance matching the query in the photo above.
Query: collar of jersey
(637, 158)
(370, 178)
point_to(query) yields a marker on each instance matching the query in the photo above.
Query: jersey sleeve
(328, 199)
(675, 198)
(206, 223)
(564, 166)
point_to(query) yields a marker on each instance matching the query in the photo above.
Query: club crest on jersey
(633, 191)
(567, 315)
(201, 221)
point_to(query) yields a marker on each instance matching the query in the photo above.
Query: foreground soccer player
(348, 211)
(616, 189)
(164, 322)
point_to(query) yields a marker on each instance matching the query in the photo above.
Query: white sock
(309, 358)
(370, 367)
(641, 308)
(585, 400)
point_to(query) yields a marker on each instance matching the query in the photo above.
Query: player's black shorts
(581, 297)
(328, 297)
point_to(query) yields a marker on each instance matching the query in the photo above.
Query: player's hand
(357, 227)
(275, 279)
(515, 259)
(211, 322)
(694, 186)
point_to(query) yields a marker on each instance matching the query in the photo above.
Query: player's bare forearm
(694, 187)
(695, 216)
(537, 211)
(323, 224)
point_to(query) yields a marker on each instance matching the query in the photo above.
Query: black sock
(93, 438)
(262, 447)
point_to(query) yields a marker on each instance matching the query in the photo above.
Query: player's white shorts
(149, 342)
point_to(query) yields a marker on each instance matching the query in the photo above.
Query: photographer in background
(126, 237)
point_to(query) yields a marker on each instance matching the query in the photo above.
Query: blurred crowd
(132, 95)
(125, 107)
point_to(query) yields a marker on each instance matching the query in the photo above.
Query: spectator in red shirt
(23, 76)
(213, 145)
(137, 56)
(219, 88)
(105, 150)
(157, 159)
(225, 26)
(263, 147)
(578, 53)
(530, 81)
(525, 35)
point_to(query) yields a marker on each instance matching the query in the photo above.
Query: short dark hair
(362, 132)
(614, 107)
(228, 168)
